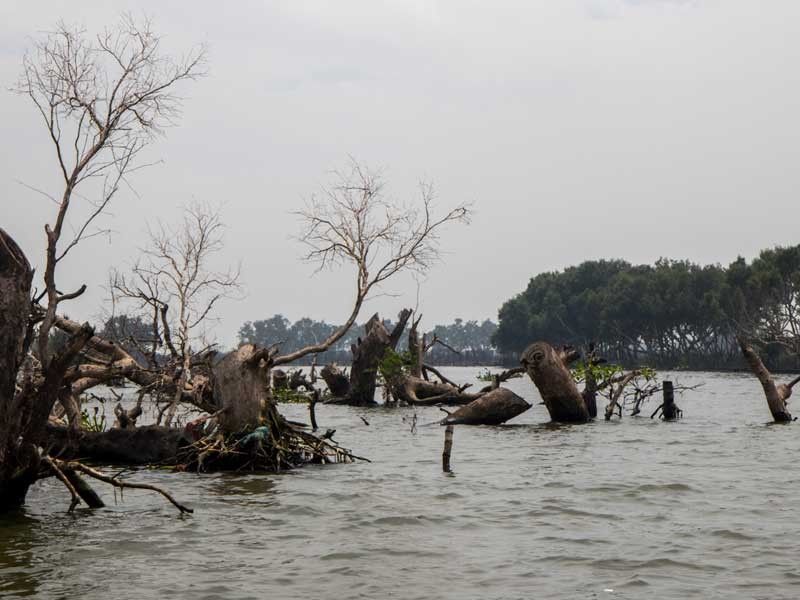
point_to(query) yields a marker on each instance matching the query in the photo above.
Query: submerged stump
(493, 408)
(548, 369)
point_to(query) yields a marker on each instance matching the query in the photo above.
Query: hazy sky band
(580, 129)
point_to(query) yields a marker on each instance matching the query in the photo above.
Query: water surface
(700, 508)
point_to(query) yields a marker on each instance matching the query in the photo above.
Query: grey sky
(579, 128)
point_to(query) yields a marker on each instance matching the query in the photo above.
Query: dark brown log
(416, 348)
(337, 381)
(280, 380)
(83, 489)
(777, 394)
(669, 409)
(493, 408)
(312, 413)
(19, 460)
(367, 355)
(548, 368)
(139, 446)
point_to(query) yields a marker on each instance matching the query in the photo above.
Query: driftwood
(493, 408)
(777, 394)
(418, 392)
(549, 370)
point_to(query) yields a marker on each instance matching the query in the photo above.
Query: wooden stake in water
(448, 446)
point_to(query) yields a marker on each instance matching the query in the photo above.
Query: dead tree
(101, 101)
(174, 282)
(777, 394)
(548, 368)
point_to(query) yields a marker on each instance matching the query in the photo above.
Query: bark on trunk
(416, 348)
(367, 355)
(493, 408)
(241, 388)
(548, 368)
(140, 446)
(18, 459)
(776, 394)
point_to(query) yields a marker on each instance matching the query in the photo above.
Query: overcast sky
(580, 129)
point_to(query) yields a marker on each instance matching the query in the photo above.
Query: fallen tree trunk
(548, 369)
(777, 394)
(139, 446)
(419, 392)
(493, 408)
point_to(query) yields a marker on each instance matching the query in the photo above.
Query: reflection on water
(701, 508)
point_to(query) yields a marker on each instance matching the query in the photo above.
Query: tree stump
(241, 387)
(548, 369)
(367, 355)
(18, 459)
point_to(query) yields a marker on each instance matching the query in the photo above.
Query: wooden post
(312, 402)
(448, 447)
(669, 409)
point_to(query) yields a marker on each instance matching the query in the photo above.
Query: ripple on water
(644, 508)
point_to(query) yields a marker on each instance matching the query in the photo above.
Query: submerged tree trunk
(548, 368)
(493, 408)
(777, 394)
(19, 460)
(367, 355)
(241, 388)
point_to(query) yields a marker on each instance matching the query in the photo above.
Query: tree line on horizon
(672, 314)
(470, 342)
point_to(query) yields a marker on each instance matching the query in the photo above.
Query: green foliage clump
(289, 396)
(93, 422)
(394, 364)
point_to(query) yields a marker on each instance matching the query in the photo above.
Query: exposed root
(60, 466)
(279, 446)
(55, 467)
